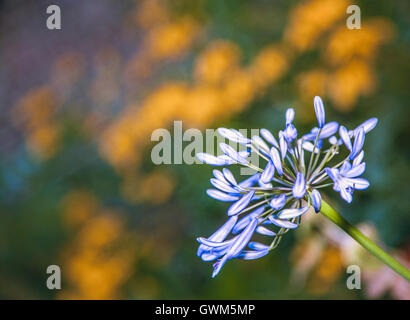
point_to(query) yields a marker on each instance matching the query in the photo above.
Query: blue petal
(344, 134)
(356, 171)
(262, 146)
(299, 189)
(252, 255)
(290, 114)
(292, 213)
(332, 173)
(316, 200)
(283, 223)
(222, 186)
(233, 135)
(308, 146)
(368, 125)
(268, 136)
(221, 196)
(219, 175)
(277, 161)
(329, 129)
(218, 266)
(230, 152)
(290, 133)
(358, 159)
(346, 195)
(278, 202)
(358, 143)
(216, 244)
(250, 182)
(320, 111)
(220, 234)
(346, 166)
(242, 239)
(265, 231)
(333, 140)
(358, 183)
(212, 160)
(283, 145)
(241, 204)
(257, 246)
(229, 176)
(268, 173)
(242, 223)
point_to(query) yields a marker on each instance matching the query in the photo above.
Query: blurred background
(78, 107)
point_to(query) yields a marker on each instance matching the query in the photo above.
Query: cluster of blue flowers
(277, 196)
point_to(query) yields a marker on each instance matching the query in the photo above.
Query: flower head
(274, 199)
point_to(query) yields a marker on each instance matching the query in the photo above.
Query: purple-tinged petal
(344, 134)
(358, 143)
(316, 200)
(265, 231)
(292, 213)
(268, 173)
(283, 223)
(277, 161)
(278, 203)
(290, 115)
(241, 204)
(320, 111)
(268, 136)
(221, 196)
(299, 188)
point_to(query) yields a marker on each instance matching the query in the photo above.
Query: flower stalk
(365, 242)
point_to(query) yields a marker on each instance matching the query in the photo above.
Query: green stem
(366, 243)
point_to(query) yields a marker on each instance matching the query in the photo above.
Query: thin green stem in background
(366, 243)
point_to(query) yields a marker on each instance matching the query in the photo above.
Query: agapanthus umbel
(273, 200)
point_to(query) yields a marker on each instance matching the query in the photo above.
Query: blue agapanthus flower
(274, 199)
